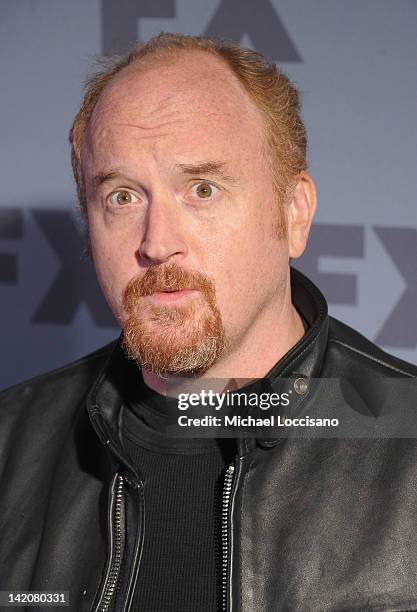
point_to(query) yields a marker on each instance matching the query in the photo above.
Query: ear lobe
(301, 212)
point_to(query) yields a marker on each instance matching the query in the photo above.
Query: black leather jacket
(311, 524)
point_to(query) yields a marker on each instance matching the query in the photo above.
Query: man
(190, 161)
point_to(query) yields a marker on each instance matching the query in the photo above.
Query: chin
(170, 342)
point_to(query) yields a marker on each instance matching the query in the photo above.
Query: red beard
(176, 339)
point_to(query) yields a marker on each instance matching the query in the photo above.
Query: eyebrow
(213, 168)
(104, 177)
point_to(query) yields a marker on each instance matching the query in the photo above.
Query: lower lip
(170, 297)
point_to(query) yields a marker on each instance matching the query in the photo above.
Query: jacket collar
(302, 362)
(305, 358)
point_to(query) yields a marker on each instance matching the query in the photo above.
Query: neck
(265, 343)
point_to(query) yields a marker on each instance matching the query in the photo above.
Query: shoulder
(348, 349)
(59, 387)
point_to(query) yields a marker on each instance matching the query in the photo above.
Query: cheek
(115, 265)
(249, 268)
(235, 265)
(243, 251)
(108, 275)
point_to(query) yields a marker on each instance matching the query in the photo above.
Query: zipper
(138, 547)
(110, 586)
(227, 490)
(111, 583)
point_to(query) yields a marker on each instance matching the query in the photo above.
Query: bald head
(192, 97)
(266, 86)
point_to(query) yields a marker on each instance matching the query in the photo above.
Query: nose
(163, 235)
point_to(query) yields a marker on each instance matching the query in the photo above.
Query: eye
(204, 190)
(122, 197)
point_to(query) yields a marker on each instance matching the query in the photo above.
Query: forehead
(190, 101)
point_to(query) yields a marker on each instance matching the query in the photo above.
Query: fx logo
(75, 281)
(233, 19)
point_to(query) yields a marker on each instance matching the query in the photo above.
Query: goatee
(185, 339)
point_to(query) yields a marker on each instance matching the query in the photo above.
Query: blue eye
(204, 190)
(123, 197)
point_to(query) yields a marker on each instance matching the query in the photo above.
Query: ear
(301, 211)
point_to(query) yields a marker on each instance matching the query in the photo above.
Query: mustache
(166, 278)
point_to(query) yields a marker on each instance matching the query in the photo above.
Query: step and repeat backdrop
(356, 65)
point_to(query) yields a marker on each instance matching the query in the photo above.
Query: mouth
(168, 296)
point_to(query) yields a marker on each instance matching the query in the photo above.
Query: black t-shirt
(180, 568)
